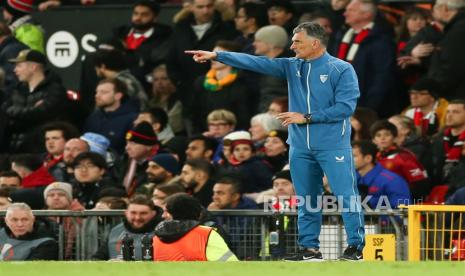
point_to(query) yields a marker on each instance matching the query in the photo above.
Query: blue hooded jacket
(325, 87)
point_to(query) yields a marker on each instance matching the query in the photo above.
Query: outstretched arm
(201, 56)
(259, 64)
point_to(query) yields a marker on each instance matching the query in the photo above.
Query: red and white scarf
(453, 152)
(349, 45)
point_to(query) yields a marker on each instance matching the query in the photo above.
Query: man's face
(87, 172)
(105, 95)
(142, 18)
(156, 173)
(241, 20)
(24, 71)
(283, 188)
(219, 128)
(274, 146)
(440, 12)
(203, 11)
(355, 14)
(278, 16)
(20, 222)
(455, 115)
(257, 131)
(196, 149)
(57, 200)
(223, 196)
(304, 46)
(360, 161)
(4, 203)
(73, 148)
(139, 215)
(137, 151)
(158, 198)
(161, 83)
(188, 176)
(383, 139)
(338, 5)
(13, 182)
(166, 215)
(420, 98)
(55, 142)
(326, 24)
(261, 48)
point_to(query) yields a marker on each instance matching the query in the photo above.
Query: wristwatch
(308, 118)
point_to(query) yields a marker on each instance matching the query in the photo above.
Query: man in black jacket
(446, 65)
(141, 218)
(25, 239)
(40, 99)
(145, 41)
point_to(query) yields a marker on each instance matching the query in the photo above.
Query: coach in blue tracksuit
(323, 93)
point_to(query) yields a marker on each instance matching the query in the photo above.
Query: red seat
(437, 195)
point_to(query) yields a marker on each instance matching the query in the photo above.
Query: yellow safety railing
(436, 232)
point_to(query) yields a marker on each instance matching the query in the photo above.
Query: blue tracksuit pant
(307, 169)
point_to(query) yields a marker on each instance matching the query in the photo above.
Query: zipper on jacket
(343, 127)
(308, 104)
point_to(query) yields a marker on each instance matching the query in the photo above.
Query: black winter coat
(27, 112)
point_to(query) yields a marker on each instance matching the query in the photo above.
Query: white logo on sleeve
(339, 159)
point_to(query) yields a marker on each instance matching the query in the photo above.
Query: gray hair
(452, 4)
(368, 6)
(18, 206)
(268, 121)
(314, 30)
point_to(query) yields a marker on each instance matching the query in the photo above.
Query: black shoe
(306, 255)
(352, 254)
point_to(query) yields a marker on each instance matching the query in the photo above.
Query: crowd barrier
(252, 234)
(436, 232)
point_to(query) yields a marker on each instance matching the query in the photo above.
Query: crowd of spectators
(151, 122)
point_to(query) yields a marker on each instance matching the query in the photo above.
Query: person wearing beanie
(141, 145)
(271, 41)
(427, 109)
(162, 169)
(114, 113)
(96, 142)
(182, 227)
(59, 196)
(280, 199)
(159, 120)
(255, 172)
(323, 93)
(276, 150)
(17, 14)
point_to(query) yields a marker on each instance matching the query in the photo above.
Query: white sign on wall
(62, 49)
